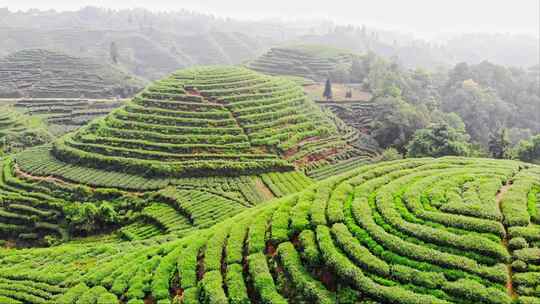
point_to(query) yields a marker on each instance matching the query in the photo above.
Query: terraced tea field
(310, 66)
(194, 192)
(46, 74)
(206, 121)
(18, 131)
(65, 115)
(358, 115)
(307, 61)
(188, 152)
(10, 121)
(450, 230)
(37, 206)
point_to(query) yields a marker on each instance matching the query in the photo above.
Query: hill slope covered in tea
(189, 151)
(308, 61)
(50, 74)
(207, 121)
(450, 230)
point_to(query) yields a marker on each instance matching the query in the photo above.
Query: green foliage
(73, 294)
(397, 121)
(89, 217)
(483, 96)
(499, 144)
(263, 281)
(312, 289)
(438, 141)
(211, 288)
(518, 243)
(236, 286)
(529, 150)
(18, 131)
(408, 231)
(390, 154)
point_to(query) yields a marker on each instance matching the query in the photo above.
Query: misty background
(154, 38)
(424, 18)
(416, 33)
(469, 66)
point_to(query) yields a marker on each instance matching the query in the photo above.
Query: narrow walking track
(500, 195)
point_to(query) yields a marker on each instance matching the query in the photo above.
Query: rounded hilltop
(315, 62)
(190, 150)
(206, 121)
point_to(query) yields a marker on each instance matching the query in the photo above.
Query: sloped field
(206, 121)
(63, 114)
(18, 131)
(414, 231)
(312, 62)
(37, 207)
(49, 74)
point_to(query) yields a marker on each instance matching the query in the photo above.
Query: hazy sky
(419, 16)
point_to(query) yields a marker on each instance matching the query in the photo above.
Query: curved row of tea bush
(43, 198)
(48, 74)
(312, 62)
(207, 121)
(274, 112)
(376, 233)
(66, 114)
(18, 131)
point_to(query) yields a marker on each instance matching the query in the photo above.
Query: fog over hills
(171, 38)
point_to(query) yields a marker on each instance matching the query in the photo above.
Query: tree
(113, 50)
(384, 78)
(389, 155)
(90, 217)
(438, 140)
(328, 90)
(529, 150)
(499, 144)
(421, 88)
(359, 70)
(396, 121)
(480, 108)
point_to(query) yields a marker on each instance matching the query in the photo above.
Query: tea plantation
(450, 230)
(64, 114)
(189, 151)
(50, 74)
(194, 191)
(18, 131)
(207, 121)
(308, 61)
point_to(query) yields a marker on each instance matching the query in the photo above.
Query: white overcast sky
(424, 17)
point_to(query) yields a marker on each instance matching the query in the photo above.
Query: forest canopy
(482, 99)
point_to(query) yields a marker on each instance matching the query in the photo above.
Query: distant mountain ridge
(149, 53)
(154, 44)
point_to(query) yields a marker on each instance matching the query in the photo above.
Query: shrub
(262, 280)
(312, 289)
(518, 243)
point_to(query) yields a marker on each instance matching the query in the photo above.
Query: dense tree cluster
(492, 108)
(529, 150)
(438, 140)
